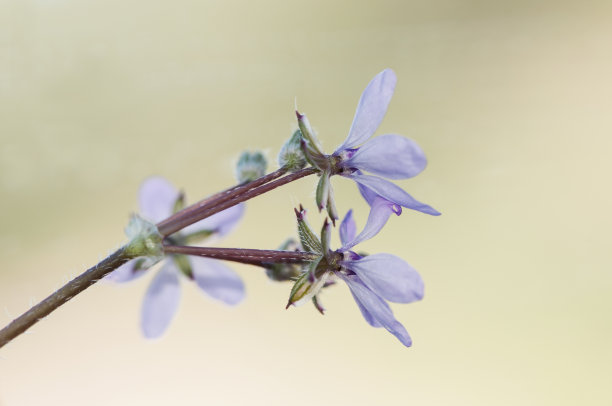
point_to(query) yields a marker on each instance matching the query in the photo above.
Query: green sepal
(307, 285)
(198, 236)
(325, 237)
(332, 212)
(322, 193)
(183, 264)
(308, 133)
(145, 241)
(317, 304)
(179, 204)
(309, 240)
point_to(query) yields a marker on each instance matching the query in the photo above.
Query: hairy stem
(169, 225)
(62, 295)
(240, 194)
(245, 256)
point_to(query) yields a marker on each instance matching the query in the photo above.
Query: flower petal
(389, 277)
(161, 301)
(126, 272)
(390, 156)
(392, 192)
(217, 280)
(371, 109)
(348, 229)
(375, 310)
(368, 194)
(157, 197)
(222, 222)
(380, 211)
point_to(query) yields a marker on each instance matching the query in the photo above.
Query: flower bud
(145, 241)
(291, 155)
(285, 272)
(307, 285)
(250, 166)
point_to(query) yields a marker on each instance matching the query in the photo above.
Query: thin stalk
(245, 256)
(62, 295)
(167, 226)
(177, 222)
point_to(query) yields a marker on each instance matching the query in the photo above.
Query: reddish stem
(200, 211)
(244, 256)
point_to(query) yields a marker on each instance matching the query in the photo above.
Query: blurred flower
(158, 200)
(387, 156)
(373, 279)
(250, 166)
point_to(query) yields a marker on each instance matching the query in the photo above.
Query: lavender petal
(371, 109)
(348, 229)
(380, 211)
(389, 277)
(217, 280)
(392, 192)
(161, 301)
(157, 197)
(368, 194)
(390, 156)
(375, 310)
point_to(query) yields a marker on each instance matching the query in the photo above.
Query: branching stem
(225, 200)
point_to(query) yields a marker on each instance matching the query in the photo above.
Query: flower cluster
(372, 279)
(388, 156)
(310, 263)
(158, 200)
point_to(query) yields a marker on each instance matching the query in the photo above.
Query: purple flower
(373, 279)
(377, 278)
(158, 200)
(387, 156)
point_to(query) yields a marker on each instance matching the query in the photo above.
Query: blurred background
(510, 100)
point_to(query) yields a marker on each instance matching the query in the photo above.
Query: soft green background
(510, 100)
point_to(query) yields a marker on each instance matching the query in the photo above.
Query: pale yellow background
(510, 101)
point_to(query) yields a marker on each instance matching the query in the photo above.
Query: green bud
(307, 285)
(250, 166)
(285, 272)
(291, 155)
(145, 241)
